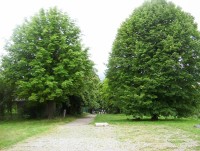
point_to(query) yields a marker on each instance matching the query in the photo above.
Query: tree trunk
(154, 117)
(50, 109)
(9, 109)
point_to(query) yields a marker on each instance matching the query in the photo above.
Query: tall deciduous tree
(46, 61)
(154, 67)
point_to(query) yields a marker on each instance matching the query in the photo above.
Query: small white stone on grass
(101, 124)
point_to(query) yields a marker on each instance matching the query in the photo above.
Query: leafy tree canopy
(46, 60)
(154, 67)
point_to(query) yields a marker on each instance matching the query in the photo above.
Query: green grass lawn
(165, 134)
(12, 132)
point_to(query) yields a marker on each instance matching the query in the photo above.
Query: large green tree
(154, 67)
(46, 60)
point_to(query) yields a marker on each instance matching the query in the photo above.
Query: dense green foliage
(47, 62)
(2, 103)
(91, 92)
(106, 100)
(6, 96)
(103, 90)
(154, 67)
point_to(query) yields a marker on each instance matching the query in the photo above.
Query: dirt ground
(75, 136)
(82, 136)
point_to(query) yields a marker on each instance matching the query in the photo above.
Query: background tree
(154, 66)
(106, 98)
(47, 62)
(91, 93)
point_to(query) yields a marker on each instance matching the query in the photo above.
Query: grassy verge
(12, 132)
(165, 134)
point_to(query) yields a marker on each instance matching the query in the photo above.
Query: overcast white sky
(97, 19)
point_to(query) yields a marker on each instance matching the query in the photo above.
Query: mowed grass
(165, 134)
(12, 132)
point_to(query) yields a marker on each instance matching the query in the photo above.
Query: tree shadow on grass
(146, 120)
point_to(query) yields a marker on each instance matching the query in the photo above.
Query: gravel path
(76, 136)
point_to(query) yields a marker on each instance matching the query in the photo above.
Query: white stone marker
(101, 124)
